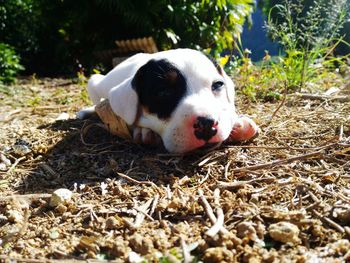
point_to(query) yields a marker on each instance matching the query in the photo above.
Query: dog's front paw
(146, 136)
(244, 129)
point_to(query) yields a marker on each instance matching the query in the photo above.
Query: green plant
(259, 81)
(19, 24)
(174, 254)
(308, 36)
(186, 23)
(57, 37)
(9, 64)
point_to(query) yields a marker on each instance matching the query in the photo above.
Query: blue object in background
(255, 38)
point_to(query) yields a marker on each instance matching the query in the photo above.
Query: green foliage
(60, 36)
(261, 81)
(174, 254)
(342, 49)
(9, 64)
(273, 77)
(308, 31)
(19, 25)
(308, 37)
(185, 23)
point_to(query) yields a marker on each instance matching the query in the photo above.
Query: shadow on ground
(87, 154)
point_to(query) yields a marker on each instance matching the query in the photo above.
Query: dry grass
(217, 206)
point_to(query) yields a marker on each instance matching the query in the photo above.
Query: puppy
(178, 95)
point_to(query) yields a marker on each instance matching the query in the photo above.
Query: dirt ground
(283, 197)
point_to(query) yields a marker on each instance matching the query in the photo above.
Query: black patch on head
(160, 87)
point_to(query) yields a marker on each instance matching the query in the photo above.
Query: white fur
(176, 132)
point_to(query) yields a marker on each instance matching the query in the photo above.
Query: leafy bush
(342, 49)
(59, 36)
(308, 36)
(309, 33)
(19, 26)
(185, 23)
(9, 64)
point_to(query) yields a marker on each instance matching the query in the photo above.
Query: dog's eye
(217, 85)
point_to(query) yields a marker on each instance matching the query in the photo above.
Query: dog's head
(181, 95)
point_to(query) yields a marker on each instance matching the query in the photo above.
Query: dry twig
(218, 225)
(209, 211)
(185, 252)
(321, 97)
(134, 180)
(278, 162)
(15, 164)
(329, 221)
(279, 106)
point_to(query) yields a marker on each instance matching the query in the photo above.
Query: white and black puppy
(180, 94)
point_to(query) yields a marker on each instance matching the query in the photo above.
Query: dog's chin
(204, 148)
(209, 147)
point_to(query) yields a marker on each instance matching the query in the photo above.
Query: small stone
(60, 196)
(246, 229)
(284, 232)
(112, 223)
(5, 160)
(54, 234)
(61, 209)
(260, 230)
(15, 216)
(3, 167)
(135, 258)
(342, 214)
(89, 244)
(119, 248)
(21, 149)
(218, 254)
(340, 247)
(141, 244)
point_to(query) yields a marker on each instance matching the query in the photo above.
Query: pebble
(135, 258)
(21, 149)
(3, 167)
(15, 216)
(218, 254)
(54, 234)
(342, 214)
(5, 160)
(112, 223)
(89, 243)
(60, 196)
(246, 229)
(61, 209)
(284, 232)
(141, 244)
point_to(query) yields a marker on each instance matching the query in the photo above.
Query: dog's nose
(205, 128)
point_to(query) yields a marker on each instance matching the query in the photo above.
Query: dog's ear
(124, 101)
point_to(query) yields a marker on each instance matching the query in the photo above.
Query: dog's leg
(94, 94)
(243, 130)
(146, 136)
(85, 113)
(93, 88)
